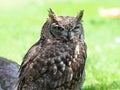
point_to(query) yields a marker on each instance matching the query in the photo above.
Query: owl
(57, 60)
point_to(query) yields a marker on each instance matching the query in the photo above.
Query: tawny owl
(57, 60)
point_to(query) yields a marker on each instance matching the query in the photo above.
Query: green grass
(21, 22)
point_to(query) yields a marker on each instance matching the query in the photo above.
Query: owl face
(64, 28)
(67, 31)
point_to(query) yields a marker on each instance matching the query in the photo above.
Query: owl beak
(69, 35)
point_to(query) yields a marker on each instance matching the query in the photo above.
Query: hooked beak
(69, 35)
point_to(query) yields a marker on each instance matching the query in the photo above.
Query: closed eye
(58, 28)
(76, 29)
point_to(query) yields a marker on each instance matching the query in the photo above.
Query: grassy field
(21, 22)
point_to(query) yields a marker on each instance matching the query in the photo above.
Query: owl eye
(76, 29)
(58, 28)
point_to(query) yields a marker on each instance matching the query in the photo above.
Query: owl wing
(28, 58)
(55, 66)
(31, 54)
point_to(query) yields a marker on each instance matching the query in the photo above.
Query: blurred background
(21, 22)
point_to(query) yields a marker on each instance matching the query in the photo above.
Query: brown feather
(52, 72)
(57, 60)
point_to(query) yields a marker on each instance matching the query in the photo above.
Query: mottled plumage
(57, 60)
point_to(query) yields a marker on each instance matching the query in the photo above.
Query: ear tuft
(52, 15)
(79, 16)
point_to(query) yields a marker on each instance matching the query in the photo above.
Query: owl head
(65, 28)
